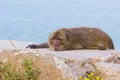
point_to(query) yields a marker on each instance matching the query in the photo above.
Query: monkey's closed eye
(59, 39)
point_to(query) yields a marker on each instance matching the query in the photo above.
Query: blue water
(33, 20)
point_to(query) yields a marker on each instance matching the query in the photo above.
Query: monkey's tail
(111, 45)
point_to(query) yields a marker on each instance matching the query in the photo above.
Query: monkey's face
(57, 41)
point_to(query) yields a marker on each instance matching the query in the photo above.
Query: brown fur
(80, 38)
(77, 38)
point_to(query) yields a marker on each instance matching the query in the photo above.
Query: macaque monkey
(77, 38)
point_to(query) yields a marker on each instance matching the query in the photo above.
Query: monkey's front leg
(33, 46)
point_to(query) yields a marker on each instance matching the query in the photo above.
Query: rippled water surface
(33, 20)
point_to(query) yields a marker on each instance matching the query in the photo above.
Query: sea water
(34, 20)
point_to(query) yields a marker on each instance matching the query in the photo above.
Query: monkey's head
(58, 40)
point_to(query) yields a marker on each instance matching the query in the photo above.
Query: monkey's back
(89, 38)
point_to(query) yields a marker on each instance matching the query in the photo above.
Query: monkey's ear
(51, 35)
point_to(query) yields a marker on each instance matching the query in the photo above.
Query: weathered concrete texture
(109, 71)
(75, 63)
(109, 67)
(69, 65)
